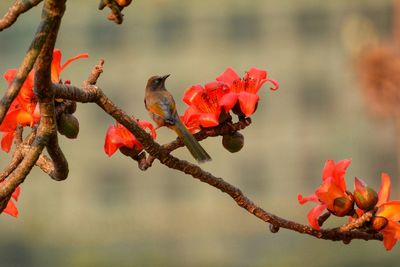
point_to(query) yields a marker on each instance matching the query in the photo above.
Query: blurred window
(111, 188)
(244, 27)
(171, 28)
(312, 24)
(315, 94)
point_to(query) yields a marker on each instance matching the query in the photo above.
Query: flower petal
(56, 65)
(6, 141)
(57, 68)
(384, 191)
(389, 241)
(14, 118)
(191, 93)
(390, 210)
(391, 233)
(359, 184)
(116, 137)
(228, 76)
(314, 214)
(258, 75)
(302, 199)
(66, 63)
(191, 119)
(11, 209)
(248, 102)
(228, 101)
(26, 94)
(9, 75)
(15, 194)
(208, 120)
(328, 192)
(337, 171)
(147, 125)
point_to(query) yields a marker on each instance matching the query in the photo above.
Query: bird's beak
(165, 77)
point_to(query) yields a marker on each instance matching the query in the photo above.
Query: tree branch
(222, 129)
(45, 94)
(19, 7)
(94, 94)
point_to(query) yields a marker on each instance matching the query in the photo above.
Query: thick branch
(19, 7)
(45, 95)
(51, 15)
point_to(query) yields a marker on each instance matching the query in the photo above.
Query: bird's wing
(164, 108)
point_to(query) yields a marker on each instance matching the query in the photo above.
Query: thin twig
(356, 223)
(15, 10)
(115, 14)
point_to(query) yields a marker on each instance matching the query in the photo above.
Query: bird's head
(157, 82)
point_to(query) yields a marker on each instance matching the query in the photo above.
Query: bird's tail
(190, 142)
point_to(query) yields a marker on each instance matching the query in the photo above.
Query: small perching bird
(161, 107)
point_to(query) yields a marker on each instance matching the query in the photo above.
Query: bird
(162, 109)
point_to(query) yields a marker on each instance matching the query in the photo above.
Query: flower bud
(378, 223)
(342, 206)
(233, 142)
(123, 3)
(68, 125)
(273, 228)
(364, 196)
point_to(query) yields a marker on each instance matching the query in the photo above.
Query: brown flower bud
(68, 125)
(71, 108)
(343, 205)
(378, 223)
(273, 228)
(364, 196)
(233, 142)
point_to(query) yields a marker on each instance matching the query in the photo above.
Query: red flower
(204, 108)
(389, 211)
(25, 98)
(331, 195)
(118, 136)
(24, 109)
(244, 91)
(11, 209)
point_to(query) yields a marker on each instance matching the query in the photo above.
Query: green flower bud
(342, 206)
(68, 125)
(233, 142)
(364, 196)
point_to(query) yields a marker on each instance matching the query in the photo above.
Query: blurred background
(109, 213)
